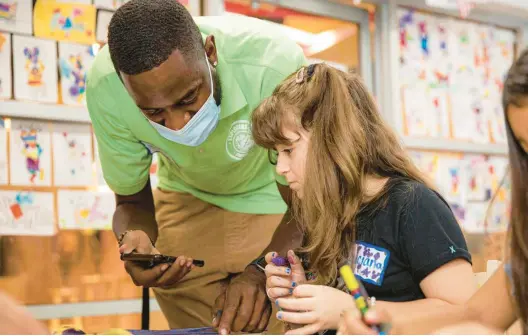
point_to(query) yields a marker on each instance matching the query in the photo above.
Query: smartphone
(151, 260)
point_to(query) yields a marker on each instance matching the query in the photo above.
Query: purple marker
(280, 261)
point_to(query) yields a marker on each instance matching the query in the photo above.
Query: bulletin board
(451, 75)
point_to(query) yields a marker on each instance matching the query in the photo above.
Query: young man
(186, 90)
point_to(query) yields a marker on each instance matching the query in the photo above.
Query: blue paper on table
(189, 331)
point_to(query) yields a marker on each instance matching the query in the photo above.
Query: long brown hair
(349, 141)
(516, 94)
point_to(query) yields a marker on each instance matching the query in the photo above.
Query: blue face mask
(201, 125)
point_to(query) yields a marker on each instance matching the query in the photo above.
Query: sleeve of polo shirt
(286, 63)
(125, 161)
(430, 236)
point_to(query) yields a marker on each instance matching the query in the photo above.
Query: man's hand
(244, 306)
(163, 275)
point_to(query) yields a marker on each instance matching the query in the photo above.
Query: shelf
(33, 110)
(92, 308)
(444, 145)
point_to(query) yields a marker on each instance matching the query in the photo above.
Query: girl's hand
(352, 323)
(281, 280)
(315, 307)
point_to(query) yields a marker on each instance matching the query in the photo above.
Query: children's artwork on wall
(30, 153)
(6, 75)
(475, 217)
(74, 62)
(451, 179)
(85, 209)
(478, 175)
(72, 155)
(3, 152)
(476, 187)
(103, 20)
(498, 216)
(72, 22)
(35, 69)
(26, 213)
(109, 4)
(16, 16)
(468, 61)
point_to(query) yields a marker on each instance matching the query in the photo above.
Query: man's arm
(136, 212)
(231, 314)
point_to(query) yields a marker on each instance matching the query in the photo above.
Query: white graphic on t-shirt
(239, 140)
(371, 263)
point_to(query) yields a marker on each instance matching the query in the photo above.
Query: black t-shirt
(402, 238)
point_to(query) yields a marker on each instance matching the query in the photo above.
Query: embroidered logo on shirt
(452, 249)
(239, 140)
(371, 263)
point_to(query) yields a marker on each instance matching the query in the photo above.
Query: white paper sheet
(26, 213)
(72, 155)
(35, 69)
(16, 16)
(30, 153)
(74, 62)
(85, 209)
(6, 75)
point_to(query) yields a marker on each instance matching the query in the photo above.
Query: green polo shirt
(227, 170)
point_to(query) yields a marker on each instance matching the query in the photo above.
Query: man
(165, 85)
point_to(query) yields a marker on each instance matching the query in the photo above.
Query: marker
(280, 261)
(358, 292)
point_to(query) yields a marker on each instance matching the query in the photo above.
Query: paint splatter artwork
(35, 69)
(74, 62)
(72, 155)
(26, 213)
(16, 16)
(30, 153)
(85, 209)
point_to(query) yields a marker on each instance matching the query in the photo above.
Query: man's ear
(210, 49)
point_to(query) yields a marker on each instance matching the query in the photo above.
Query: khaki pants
(226, 241)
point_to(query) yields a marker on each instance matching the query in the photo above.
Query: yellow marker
(349, 278)
(353, 285)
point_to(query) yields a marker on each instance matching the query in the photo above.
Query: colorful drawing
(424, 38)
(35, 65)
(32, 151)
(74, 62)
(5, 71)
(16, 16)
(30, 154)
(26, 213)
(3, 152)
(73, 22)
(85, 209)
(72, 154)
(8, 11)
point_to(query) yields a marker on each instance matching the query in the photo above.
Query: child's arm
(490, 306)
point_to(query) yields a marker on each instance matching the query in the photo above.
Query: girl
(360, 200)
(504, 297)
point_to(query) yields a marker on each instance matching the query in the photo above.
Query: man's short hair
(143, 33)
